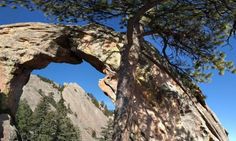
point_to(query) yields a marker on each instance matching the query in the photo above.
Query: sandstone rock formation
(153, 103)
(84, 114)
(8, 131)
(29, 46)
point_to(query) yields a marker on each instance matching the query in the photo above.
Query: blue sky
(220, 92)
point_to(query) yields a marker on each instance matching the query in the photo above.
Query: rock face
(84, 114)
(33, 87)
(8, 131)
(153, 103)
(29, 46)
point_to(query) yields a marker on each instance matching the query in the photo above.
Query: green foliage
(62, 108)
(94, 100)
(40, 121)
(107, 132)
(107, 112)
(58, 87)
(61, 88)
(46, 124)
(45, 79)
(23, 119)
(191, 32)
(101, 106)
(65, 129)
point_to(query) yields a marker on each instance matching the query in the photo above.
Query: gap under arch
(83, 74)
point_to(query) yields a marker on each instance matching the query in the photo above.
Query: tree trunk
(153, 105)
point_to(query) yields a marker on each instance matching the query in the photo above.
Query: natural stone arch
(28, 46)
(159, 105)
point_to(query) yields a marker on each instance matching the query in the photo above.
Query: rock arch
(160, 107)
(29, 46)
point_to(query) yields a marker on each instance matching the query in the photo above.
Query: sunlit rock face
(161, 107)
(29, 46)
(83, 113)
(8, 131)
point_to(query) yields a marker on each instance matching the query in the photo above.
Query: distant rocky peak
(84, 113)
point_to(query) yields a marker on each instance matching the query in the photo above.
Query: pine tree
(40, 120)
(186, 30)
(45, 124)
(23, 119)
(108, 112)
(65, 130)
(94, 100)
(190, 35)
(107, 131)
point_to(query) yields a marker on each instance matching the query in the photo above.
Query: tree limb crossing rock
(158, 107)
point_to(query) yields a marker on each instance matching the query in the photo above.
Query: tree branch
(135, 19)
